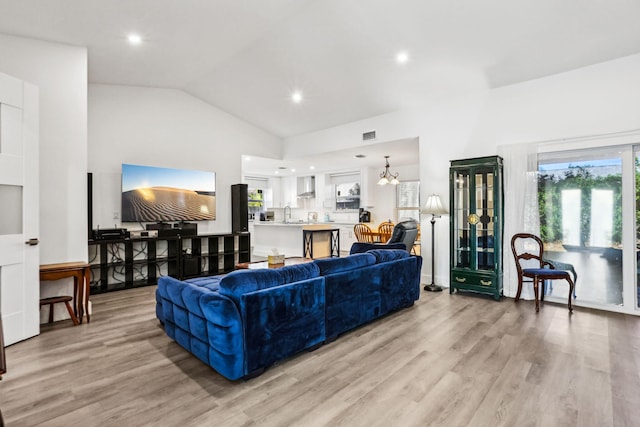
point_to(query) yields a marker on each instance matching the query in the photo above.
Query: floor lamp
(434, 208)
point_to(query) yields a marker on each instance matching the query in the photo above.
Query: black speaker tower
(239, 208)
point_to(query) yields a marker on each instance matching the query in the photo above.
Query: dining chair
(415, 249)
(528, 251)
(385, 229)
(363, 233)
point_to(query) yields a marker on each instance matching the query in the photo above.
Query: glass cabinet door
(461, 229)
(483, 220)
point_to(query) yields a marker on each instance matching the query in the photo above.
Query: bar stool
(55, 300)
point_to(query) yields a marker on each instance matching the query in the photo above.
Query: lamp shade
(434, 206)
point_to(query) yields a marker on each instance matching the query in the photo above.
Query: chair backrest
(405, 232)
(385, 229)
(358, 230)
(527, 251)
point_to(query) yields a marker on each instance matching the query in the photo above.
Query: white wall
(166, 128)
(60, 73)
(598, 99)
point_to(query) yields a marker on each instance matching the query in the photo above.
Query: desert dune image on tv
(165, 194)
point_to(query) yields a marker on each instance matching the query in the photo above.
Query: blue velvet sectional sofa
(247, 320)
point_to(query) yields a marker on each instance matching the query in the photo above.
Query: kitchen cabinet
(289, 196)
(347, 237)
(476, 225)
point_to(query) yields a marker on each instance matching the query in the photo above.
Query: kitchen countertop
(288, 224)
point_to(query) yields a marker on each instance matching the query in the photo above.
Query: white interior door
(19, 260)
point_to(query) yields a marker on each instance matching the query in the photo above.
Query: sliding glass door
(580, 197)
(637, 224)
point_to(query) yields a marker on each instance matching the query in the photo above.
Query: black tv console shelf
(129, 263)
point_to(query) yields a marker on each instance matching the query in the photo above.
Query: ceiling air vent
(368, 136)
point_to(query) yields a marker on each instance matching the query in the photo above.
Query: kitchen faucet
(287, 208)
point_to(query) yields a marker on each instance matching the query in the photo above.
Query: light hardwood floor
(448, 361)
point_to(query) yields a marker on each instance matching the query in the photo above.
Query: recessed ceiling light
(296, 97)
(402, 57)
(359, 156)
(134, 39)
(277, 172)
(312, 167)
(293, 170)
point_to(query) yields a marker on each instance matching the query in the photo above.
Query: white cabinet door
(347, 237)
(290, 191)
(273, 197)
(19, 271)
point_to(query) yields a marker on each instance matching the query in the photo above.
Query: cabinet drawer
(459, 278)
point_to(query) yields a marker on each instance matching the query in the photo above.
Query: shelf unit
(476, 199)
(129, 263)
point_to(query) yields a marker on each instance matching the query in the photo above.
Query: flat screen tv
(151, 194)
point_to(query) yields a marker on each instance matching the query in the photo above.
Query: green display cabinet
(477, 216)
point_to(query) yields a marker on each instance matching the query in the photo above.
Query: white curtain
(520, 206)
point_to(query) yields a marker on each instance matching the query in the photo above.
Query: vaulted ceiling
(247, 57)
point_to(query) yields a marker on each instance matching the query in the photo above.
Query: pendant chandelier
(387, 177)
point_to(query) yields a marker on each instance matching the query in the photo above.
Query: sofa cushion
(386, 255)
(240, 282)
(337, 265)
(298, 272)
(210, 282)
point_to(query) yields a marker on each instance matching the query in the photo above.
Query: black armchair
(405, 232)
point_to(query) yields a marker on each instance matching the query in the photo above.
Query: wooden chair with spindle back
(385, 229)
(363, 233)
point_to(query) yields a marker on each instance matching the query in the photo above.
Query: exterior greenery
(550, 189)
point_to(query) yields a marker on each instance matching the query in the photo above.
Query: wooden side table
(81, 274)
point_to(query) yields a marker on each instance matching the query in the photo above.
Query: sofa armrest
(281, 321)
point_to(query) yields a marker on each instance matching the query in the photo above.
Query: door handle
(32, 242)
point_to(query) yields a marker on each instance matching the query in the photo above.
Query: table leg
(87, 289)
(75, 294)
(79, 279)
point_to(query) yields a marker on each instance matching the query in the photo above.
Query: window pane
(11, 212)
(408, 194)
(408, 201)
(581, 225)
(348, 196)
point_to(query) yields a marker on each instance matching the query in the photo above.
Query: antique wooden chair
(528, 251)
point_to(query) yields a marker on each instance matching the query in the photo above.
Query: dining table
(375, 236)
